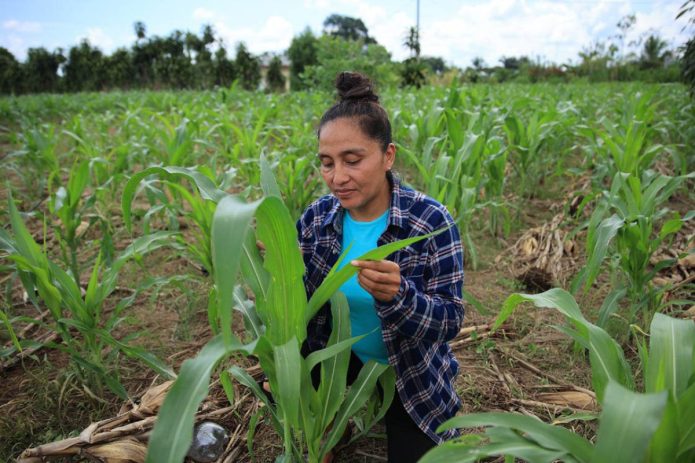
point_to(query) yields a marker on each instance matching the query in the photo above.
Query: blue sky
(458, 31)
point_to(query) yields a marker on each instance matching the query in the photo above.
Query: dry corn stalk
(543, 255)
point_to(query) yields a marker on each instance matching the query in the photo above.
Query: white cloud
(274, 35)
(203, 14)
(545, 29)
(21, 26)
(317, 4)
(98, 38)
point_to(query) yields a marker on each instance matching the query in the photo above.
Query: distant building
(265, 59)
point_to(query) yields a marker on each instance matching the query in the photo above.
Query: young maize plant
(310, 421)
(85, 330)
(656, 425)
(635, 205)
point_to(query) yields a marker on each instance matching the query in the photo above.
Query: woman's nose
(340, 175)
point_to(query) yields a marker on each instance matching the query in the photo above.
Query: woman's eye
(353, 162)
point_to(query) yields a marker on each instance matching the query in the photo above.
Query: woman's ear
(390, 156)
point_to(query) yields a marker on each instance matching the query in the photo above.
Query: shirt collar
(397, 209)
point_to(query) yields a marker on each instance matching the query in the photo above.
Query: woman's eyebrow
(357, 150)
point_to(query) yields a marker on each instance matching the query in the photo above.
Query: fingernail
(353, 262)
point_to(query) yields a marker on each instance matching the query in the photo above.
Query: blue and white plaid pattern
(425, 314)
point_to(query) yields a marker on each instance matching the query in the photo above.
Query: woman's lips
(343, 194)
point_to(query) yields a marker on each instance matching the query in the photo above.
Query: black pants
(405, 442)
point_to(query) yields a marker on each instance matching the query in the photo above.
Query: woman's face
(354, 168)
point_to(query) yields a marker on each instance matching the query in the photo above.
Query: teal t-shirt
(362, 237)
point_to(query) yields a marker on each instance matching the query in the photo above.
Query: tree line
(185, 60)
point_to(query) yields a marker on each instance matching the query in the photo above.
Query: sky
(458, 31)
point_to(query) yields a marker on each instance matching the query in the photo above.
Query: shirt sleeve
(433, 312)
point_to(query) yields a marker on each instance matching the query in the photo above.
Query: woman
(412, 299)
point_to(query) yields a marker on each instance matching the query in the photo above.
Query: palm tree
(654, 52)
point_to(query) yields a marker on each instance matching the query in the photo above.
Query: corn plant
(655, 425)
(84, 327)
(625, 146)
(309, 420)
(202, 204)
(635, 208)
(36, 161)
(66, 205)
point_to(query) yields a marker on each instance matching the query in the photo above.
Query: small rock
(209, 441)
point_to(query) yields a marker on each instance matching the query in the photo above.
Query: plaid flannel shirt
(426, 312)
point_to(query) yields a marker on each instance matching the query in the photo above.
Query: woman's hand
(380, 278)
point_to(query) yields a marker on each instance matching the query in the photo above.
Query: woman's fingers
(381, 279)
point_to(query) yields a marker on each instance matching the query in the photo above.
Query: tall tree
(119, 70)
(140, 30)
(302, 53)
(347, 28)
(41, 69)
(654, 52)
(84, 69)
(688, 61)
(248, 68)
(275, 80)
(10, 73)
(412, 42)
(225, 72)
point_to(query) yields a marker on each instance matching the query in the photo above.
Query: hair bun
(353, 86)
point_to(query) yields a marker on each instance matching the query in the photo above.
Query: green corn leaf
(670, 227)
(139, 353)
(607, 230)
(610, 305)
(607, 358)
(283, 261)
(252, 268)
(334, 369)
(245, 379)
(332, 350)
(472, 300)
(545, 435)
(627, 423)
(686, 421)
(670, 364)
(286, 387)
(331, 284)
(23, 241)
(90, 293)
(663, 446)
(268, 183)
(10, 330)
(205, 186)
(358, 394)
(451, 452)
(173, 431)
(231, 223)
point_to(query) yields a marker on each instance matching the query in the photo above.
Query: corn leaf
(231, 223)
(607, 358)
(173, 431)
(358, 394)
(286, 387)
(286, 298)
(334, 369)
(607, 230)
(627, 423)
(686, 421)
(670, 364)
(207, 188)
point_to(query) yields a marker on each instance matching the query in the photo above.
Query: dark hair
(358, 101)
